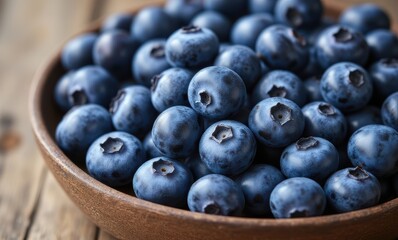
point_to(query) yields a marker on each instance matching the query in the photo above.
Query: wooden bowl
(127, 217)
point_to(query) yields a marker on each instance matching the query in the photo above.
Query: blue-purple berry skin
(246, 29)
(148, 61)
(61, 91)
(326, 121)
(114, 157)
(352, 189)
(183, 10)
(81, 126)
(340, 44)
(280, 83)
(216, 92)
(231, 8)
(113, 51)
(176, 132)
(384, 75)
(132, 110)
(365, 18)
(92, 84)
(299, 13)
(243, 61)
(262, 6)
(77, 52)
(257, 184)
(297, 197)
(216, 194)
(375, 149)
(152, 23)
(366, 116)
(170, 87)
(276, 122)
(346, 86)
(197, 166)
(389, 111)
(219, 24)
(227, 147)
(118, 21)
(383, 44)
(192, 47)
(281, 47)
(151, 150)
(310, 157)
(312, 89)
(163, 180)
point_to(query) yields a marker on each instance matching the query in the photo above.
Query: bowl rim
(47, 143)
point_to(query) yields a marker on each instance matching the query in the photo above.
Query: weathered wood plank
(29, 31)
(58, 218)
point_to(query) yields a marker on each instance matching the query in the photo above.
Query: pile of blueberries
(237, 107)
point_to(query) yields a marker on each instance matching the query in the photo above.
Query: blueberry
(79, 127)
(375, 149)
(77, 52)
(262, 6)
(61, 91)
(113, 51)
(118, 21)
(351, 189)
(150, 149)
(299, 13)
(383, 44)
(132, 110)
(170, 88)
(365, 18)
(216, 22)
(281, 47)
(149, 60)
(246, 29)
(216, 92)
(191, 47)
(366, 116)
(279, 83)
(151, 23)
(231, 8)
(183, 10)
(257, 184)
(176, 132)
(243, 61)
(164, 181)
(114, 157)
(347, 86)
(384, 75)
(389, 111)
(312, 89)
(276, 122)
(340, 44)
(325, 121)
(197, 166)
(227, 147)
(310, 157)
(313, 69)
(297, 197)
(216, 194)
(92, 84)
(312, 34)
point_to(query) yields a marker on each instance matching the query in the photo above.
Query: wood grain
(32, 205)
(30, 30)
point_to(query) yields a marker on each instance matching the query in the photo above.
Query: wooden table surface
(32, 205)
